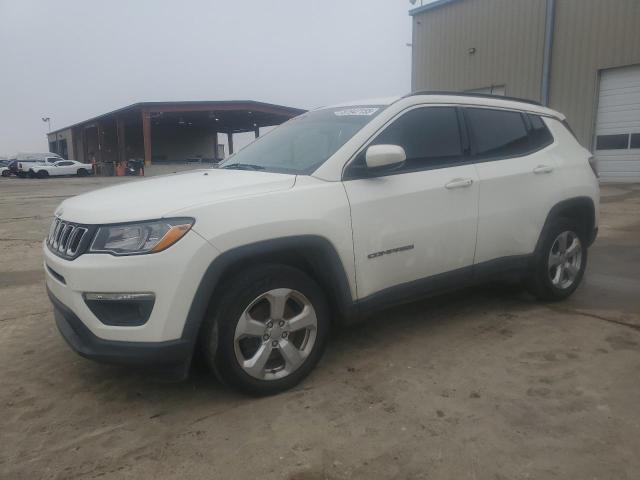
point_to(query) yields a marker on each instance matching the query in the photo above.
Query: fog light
(121, 309)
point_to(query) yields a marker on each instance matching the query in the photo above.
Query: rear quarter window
(539, 134)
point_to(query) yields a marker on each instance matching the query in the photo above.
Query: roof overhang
(224, 107)
(430, 6)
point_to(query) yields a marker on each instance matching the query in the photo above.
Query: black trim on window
(355, 169)
(635, 140)
(528, 125)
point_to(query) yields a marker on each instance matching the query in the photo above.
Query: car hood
(158, 197)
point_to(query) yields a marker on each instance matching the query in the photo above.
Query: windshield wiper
(243, 166)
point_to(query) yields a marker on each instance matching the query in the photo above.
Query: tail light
(593, 163)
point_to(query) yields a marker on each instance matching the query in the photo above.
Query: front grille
(68, 239)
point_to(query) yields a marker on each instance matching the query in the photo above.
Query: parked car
(60, 168)
(335, 214)
(24, 166)
(4, 168)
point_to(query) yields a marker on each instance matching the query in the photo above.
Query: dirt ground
(483, 384)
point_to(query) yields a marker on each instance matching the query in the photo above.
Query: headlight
(136, 238)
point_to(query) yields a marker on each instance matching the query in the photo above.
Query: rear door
(518, 180)
(417, 221)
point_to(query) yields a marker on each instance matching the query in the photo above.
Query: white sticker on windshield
(356, 111)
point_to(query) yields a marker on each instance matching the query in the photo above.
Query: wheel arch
(315, 255)
(581, 208)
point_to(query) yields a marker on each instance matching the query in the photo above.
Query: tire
(557, 274)
(255, 294)
(42, 174)
(82, 172)
(6, 173)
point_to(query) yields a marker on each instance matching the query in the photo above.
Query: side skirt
(512, 267)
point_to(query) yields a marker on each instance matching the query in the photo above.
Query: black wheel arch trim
(318, 251)
(568, 205)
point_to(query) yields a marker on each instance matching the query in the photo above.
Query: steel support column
(146, 137)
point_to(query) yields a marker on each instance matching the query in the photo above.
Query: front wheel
(6, 173)
(268, 329)
(561, 261)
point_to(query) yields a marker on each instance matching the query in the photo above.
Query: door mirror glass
(379, 156)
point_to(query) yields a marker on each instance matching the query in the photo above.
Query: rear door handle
(459, 183)
(542, 169)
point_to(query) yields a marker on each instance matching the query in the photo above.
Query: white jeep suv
(338, 212)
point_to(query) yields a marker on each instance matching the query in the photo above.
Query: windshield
(302, 144)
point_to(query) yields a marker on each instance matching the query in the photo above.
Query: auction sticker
(360, 111)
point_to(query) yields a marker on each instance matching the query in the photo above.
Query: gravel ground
(482, 384)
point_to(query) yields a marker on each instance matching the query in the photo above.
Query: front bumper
(173, 276)
(172, 356)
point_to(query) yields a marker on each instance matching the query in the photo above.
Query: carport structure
(165, 132)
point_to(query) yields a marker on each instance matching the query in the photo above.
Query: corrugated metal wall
(508, 36)
(590, 35)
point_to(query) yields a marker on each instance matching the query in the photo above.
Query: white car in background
(60, 168)
(29, 160)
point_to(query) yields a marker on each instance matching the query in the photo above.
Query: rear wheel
(561, 261)
(6, 173)
(268, 330)
(82, 172)
(42, 174)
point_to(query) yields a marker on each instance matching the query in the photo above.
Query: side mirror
(379, 156)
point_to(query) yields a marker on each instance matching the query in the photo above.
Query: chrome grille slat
(52, 229)
(74, 239)
(64, 239)
(58, 232)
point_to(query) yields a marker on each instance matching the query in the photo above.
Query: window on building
(612, 142)
(64, 152)
(497, 133)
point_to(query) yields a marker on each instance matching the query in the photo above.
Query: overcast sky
(73, 59)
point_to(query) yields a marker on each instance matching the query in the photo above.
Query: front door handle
(459, 183)
(542, 169)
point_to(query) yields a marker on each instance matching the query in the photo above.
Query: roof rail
(472, 94)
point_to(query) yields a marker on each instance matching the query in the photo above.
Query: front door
(414, 228)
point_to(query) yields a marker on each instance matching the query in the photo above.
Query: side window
(539, 135)
(430, 137)
(497, 133)
(64, 164)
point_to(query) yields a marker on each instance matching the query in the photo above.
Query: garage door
(617, 144)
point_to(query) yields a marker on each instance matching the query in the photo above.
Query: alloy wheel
(275, 334)
(565, 260)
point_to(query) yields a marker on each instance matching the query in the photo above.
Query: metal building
(581, 57)
(164, 133)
